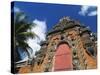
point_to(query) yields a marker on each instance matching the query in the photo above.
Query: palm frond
(27, 34)
(24, 27)
(22, 44)
(23, 31)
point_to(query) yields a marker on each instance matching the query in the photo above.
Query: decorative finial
(67, 18)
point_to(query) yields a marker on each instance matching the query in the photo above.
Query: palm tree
(22, 32)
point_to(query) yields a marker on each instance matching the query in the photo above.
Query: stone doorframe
(61, 42)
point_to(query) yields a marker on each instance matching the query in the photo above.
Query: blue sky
(51, 13)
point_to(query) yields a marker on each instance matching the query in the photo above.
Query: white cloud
(16, 9)
(21, 17)
(40, 30)
(93, 13)
(88, 11)
(83, 10)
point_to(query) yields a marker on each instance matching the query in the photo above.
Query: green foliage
(22, 31)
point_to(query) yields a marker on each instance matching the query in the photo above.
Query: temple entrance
(63, 58)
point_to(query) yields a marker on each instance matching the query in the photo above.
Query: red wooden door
(63, 58)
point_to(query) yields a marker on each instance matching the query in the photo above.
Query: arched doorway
(63, 58)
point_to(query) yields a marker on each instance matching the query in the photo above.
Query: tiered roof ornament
(65, 19)
(64, 23)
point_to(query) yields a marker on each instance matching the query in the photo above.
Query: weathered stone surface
(74, 35)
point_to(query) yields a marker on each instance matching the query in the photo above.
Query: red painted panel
(63, 58)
